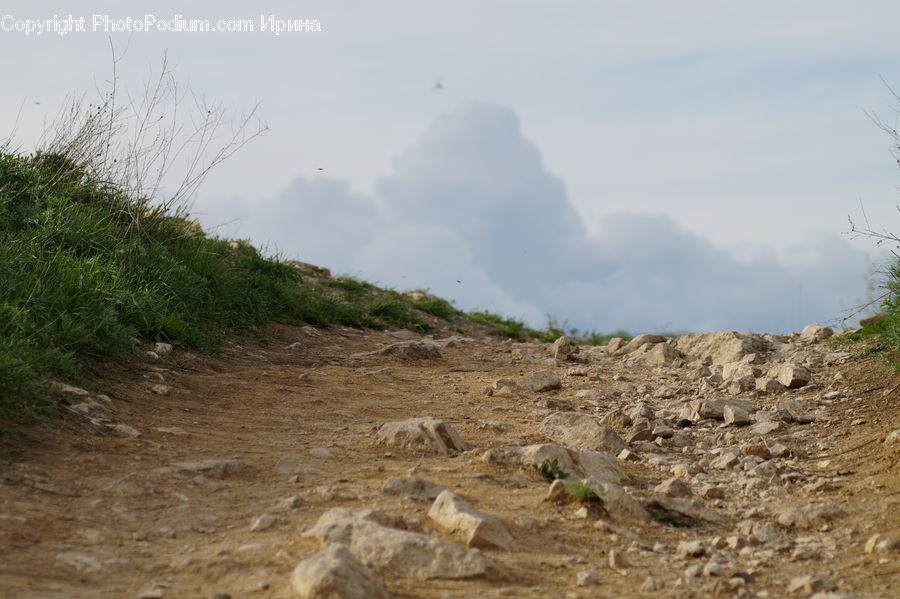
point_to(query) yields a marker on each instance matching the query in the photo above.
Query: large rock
(792, 376)
(406, 350)
(399, 552)
(656, 354)
(816, 332)
(691, 508)
(576, 429)
(614, 345)
(721, 347)
(457, 516)
(637, 342)
(542, 380)
(616, 501)
(575, 462)
(422, 434)
(335, 573)
(563, 348)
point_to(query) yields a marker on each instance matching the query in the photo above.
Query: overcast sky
(615, 164)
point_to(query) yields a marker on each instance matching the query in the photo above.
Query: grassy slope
(85, 269)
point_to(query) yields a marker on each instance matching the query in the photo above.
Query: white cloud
(471, 213)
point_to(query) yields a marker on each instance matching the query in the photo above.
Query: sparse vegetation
(583, 493)
(666, 517)
(550, 470)
(505, 327)
(437, 307)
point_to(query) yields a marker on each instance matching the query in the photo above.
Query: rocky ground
(352, 464)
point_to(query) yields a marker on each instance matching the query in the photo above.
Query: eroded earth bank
(342, 463)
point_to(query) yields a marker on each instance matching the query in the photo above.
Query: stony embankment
(344, 464)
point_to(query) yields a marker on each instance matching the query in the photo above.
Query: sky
(647, 166)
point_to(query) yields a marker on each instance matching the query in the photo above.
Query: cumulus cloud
(471, 213)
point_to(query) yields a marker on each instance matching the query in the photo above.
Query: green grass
(85, 267)
(882, 337)
(583, 493)
(437, 307)
(502, 326)
(550, 470)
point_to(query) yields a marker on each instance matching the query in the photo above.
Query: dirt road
(286, 426)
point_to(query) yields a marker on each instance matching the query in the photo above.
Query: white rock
(674, 487)
(614, 345)
(792, 376)
(721, 347)
(816, 332)
(477, 529)
(263, 522)
(163, 348)
(580, 463)
(335, 573)
(563, 348)
(616, 501)
(161, 389)
(321, 452)
(575, 429)
(655, 354)
(382, 373)
(637, 342)
(690, 549)
(585, 578)
(291, 503)
(806, 585)
(881, 543)
(422, 434)
(736, 416)
(399, 552)
(542, 380)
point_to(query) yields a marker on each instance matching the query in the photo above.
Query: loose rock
(542, 380)
(335, 573)
(399, 552)
(422, 434)
(576, 429)
(458, 516)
